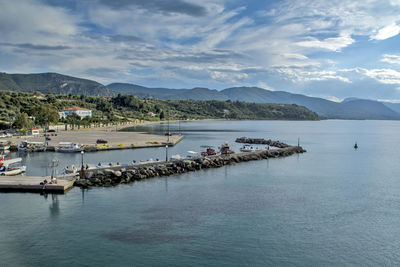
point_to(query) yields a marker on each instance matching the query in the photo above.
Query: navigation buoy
(355, 146)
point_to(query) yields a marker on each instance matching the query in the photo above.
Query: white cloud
(387, 32)
(392, 59)
(30, 21)
(299, 75)
(334, 44)
(385, 76)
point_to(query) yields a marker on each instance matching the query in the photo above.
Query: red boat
(209, 152)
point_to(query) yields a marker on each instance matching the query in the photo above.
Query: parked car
(101, 141)
(168, 134)
(51, 131)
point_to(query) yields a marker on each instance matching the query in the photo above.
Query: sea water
(333, 205)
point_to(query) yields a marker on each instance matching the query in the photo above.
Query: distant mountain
(164, 93)
(351, 108)
(52, 83)
(393, 106)
(367, 109)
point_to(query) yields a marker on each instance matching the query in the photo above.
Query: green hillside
(25, 109)
(52, 83)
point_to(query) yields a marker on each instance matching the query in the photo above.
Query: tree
(162, 115)
(22, 121)
(46, 114)
(73, 120)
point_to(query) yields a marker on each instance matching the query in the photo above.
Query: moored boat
(247, 148)
(225, 149)
(7, 170)
(68, 147)
(210, 151)
(27, 146)
(12, 171)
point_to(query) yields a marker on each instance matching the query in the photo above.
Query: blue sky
(327, 48)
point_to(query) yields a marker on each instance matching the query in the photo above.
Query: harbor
(120, 174)
(92, 140)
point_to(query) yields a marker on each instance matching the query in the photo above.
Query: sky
(326, 48)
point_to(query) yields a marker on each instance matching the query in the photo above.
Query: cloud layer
(316, 47)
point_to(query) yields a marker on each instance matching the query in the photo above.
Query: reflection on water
(329, 206)
(54, 206)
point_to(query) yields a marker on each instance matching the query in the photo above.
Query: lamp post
(166, 152)
(82, 167)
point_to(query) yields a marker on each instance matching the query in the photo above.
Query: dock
(32, 184)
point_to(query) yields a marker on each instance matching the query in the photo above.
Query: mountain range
(350, 108)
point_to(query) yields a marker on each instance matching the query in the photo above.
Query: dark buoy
(355, 146)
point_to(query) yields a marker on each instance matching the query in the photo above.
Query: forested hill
(52, 83)
(22, 109)
(350, 109)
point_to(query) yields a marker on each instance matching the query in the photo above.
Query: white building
(81, 112)
(34, 131)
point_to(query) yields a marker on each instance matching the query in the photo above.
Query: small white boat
(68, 147)
(176, 157)
(7, 161)
(6, 169)
(192, 154)
(70, 169)
(12, 171)
(247, 148)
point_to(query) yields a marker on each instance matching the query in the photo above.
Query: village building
(81, 112)
(34, 131)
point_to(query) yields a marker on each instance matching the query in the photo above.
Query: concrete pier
(32, 184)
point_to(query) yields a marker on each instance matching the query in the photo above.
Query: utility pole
(82, 176)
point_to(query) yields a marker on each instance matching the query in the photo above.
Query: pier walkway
(32, 184)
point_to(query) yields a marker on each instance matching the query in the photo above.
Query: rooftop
(75, 108)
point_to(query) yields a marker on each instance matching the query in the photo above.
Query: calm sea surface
(330, 206)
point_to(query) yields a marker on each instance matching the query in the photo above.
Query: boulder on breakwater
(127, 174)
(261, 141)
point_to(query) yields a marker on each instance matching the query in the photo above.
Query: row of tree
(22, 110)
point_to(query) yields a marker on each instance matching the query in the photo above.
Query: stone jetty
(261, 141)
(127, 174)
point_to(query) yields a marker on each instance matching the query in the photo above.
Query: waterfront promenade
(115, 139)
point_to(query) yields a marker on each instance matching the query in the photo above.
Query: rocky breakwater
(127, 174)
(261, 141)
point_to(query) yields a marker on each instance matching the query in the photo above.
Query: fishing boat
(27, 146)
(225, 149)
(68, 147)
(210, 151)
